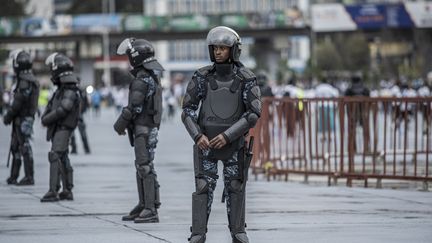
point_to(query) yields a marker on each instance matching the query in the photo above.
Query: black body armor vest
(222, 107)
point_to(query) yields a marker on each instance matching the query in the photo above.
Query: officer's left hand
(218, 142)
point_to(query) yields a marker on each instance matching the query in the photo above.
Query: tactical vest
(70, 121)
(222, 107)
(151, 114)
(30, 107)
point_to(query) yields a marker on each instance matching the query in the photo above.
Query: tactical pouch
(27, 126)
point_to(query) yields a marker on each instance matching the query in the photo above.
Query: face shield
(49, 61)
(14, 55)
(124, 46)
(223, 36)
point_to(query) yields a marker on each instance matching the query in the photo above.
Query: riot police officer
(229, 103)
(21, 115)
(61, 118)
(141, 118)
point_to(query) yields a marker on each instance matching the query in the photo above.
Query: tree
(327, 56)
(354, 52)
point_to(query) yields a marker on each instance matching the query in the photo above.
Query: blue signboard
(376, 16)
(89, 22)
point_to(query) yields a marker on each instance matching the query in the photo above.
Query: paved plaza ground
(277, 211)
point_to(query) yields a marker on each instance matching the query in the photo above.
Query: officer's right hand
(119, 130)
(203, 143)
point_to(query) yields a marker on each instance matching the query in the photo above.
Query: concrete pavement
(277, 211)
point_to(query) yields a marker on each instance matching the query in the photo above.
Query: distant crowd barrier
(355, 138)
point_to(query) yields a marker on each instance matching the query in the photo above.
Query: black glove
(7, 119)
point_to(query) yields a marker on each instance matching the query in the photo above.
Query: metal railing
(349, 137)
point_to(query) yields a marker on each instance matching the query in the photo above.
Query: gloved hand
(7, 119)
(119, 129)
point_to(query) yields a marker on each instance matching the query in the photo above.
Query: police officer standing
(21, 115)
(141, 118)
(229, 100)
(61, 118)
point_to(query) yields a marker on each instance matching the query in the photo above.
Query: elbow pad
(191, 126)
(241, 127)
(252, 119)
(237, 130)
(49, 118)
(123, 121)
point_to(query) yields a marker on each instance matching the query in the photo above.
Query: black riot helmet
(61, 68)
(21, 60)
(224, 36)
(140, 53)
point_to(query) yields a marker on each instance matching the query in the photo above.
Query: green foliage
(342, 53)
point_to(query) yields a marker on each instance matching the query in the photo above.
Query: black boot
(134, 213)
(66, 195)
(16, 166)
(147, 216)
(26, 181)
(50, 196)
(11, 181)
(28, 166)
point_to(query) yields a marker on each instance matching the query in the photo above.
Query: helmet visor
(49, 61)
(125, 45)
(14, 55)
(222, 36)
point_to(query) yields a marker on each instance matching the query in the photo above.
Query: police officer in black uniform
(230, 104)
(21, 115)
(61, 118)
(141, 118)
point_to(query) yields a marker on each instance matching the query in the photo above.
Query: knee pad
(143, 170)
(201, 186)
(235, 186)
(26, 149)
(53, 157)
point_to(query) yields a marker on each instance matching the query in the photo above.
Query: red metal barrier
(352, 138)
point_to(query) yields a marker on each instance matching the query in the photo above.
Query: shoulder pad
(205, 70)
(70, 93)
(246, 73)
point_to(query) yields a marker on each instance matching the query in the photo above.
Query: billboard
(420, 13)
(339, 17)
